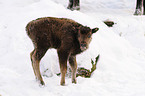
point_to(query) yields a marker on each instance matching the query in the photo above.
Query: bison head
(85, 36)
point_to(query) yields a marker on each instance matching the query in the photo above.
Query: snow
(120, 70)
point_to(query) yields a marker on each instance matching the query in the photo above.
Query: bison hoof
(42, 83)
(74, 81)
(74, 8)
(138, 12)
(62, 83)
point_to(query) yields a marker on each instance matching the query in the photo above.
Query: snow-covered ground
(120, 70)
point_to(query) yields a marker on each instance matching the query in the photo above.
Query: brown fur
(65, 35)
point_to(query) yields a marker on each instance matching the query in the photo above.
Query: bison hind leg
(36, 56)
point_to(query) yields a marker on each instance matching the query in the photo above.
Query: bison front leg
(73, 64)
(63, 56)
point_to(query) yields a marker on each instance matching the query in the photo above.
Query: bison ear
(94, 30)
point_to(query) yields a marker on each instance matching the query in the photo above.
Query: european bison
(74, 5)
(139, 5)
(65, 35)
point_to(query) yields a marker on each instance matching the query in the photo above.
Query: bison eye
(89, 36)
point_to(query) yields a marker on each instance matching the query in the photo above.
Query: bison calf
(65, 35)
